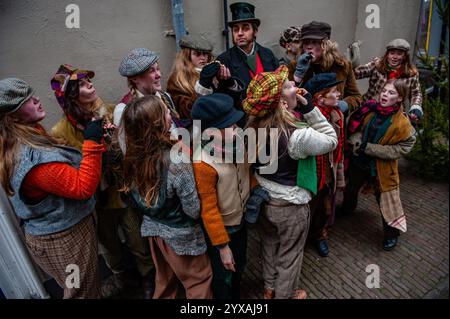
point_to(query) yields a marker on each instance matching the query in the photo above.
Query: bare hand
(226, 256)
(300, 98)
(224, 73)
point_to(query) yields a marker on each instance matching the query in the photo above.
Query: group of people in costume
(104, 175)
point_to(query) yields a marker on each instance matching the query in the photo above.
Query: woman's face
(314, 47)
(199, 58)
(289, 94)
(31, 111)
(88, 94)
(149, 82)
(331, 98)
(395, 57)
(389, 95)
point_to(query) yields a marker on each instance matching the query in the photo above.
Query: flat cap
(137, 61)
(196, 42)
(13, 94)
(400, 44)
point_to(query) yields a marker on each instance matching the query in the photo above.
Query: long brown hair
(330, 54)
(409, 70)
(147, 139)
(12, 135)
(184, 74)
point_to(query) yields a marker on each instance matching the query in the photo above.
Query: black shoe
(322, 248)
(389, 243)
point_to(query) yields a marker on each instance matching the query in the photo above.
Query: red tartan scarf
(322, 160)
(357, 118)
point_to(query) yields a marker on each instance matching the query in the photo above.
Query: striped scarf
(357, 118)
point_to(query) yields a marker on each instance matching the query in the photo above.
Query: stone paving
(416, 268)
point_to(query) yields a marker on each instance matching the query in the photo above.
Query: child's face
(314, 47)
(331, 98)
(395, 57)
(87, 94)
(389, 95)
(289, 94)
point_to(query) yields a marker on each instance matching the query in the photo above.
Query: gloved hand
(305, 107)
(359, 148)
(257, 197)
(94, 131)
(343, 106)
(303, 63)
(208, 73)
(417, 113)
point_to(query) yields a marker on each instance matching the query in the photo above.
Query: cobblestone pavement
(416, 268)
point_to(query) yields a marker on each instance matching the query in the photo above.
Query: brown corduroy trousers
(194, 272)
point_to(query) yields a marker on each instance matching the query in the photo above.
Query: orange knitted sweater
(206, 178)
(64, 180)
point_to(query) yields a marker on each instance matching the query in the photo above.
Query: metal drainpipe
(226, 31)
(178, 20)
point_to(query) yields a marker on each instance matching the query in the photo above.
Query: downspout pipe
(178, 21)
(226, 30)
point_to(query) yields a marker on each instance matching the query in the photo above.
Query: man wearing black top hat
(246, 58)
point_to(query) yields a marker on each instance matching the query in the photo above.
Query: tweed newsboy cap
(13, 94)
(137, 61)
(400, 44)
(264, 92)
(196, 42)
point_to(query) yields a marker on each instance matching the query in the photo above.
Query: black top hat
(243, 12)
(316, 31)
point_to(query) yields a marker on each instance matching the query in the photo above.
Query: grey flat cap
(137, 61)
(13, 94)
(400, 44)
(196, 42)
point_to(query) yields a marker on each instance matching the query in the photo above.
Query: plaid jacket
(378, 80)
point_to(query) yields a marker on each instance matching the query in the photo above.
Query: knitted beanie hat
(13, 94)
(264, 92)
